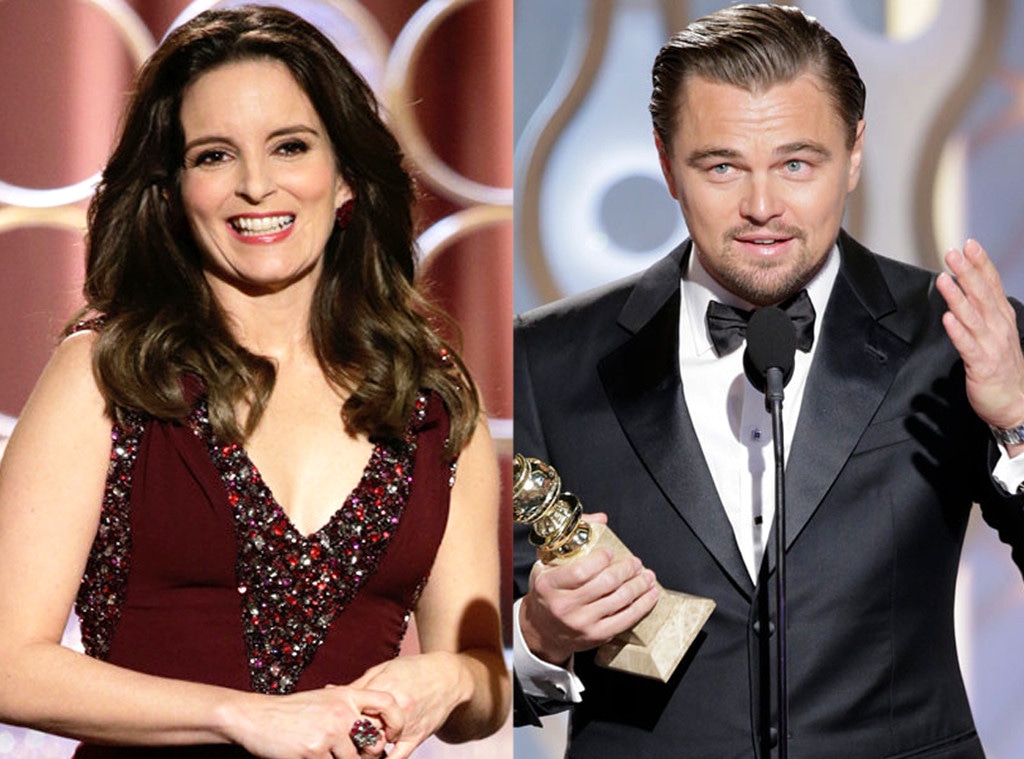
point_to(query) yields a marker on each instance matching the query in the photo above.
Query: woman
(252, 339)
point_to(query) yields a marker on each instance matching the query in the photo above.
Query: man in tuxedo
(905, 407)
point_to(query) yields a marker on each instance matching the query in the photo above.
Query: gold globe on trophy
(657, 643)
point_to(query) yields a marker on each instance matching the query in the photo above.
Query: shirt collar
(699, 287)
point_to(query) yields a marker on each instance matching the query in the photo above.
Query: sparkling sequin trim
(95, 323)
(292, 586)
(423, 582)
(408, 614)
(102, 591)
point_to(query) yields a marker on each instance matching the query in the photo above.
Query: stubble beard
(770, 281)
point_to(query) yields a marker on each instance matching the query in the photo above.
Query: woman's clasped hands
(336, 722)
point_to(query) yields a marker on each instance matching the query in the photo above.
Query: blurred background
(943, 161)
(442, 69)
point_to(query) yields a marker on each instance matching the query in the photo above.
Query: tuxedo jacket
(886, 461)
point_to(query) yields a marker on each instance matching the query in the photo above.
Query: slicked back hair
(754, 47)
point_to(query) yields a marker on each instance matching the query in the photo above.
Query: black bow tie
(727, 325)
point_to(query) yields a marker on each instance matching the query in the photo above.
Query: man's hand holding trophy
(654, 646)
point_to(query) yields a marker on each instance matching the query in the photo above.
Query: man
(758, 122)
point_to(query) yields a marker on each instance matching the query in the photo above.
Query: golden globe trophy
(657, 643)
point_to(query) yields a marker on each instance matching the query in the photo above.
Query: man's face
(762, 180)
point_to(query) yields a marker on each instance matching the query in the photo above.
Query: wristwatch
(1012, 436)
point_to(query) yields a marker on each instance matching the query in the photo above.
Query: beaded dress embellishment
(102, 591)
(291, 585)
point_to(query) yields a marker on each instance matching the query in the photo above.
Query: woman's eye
(293, 147)
(209, 158)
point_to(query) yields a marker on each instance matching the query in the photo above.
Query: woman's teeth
(261, 225)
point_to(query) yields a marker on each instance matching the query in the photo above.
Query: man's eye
(795, 165)
(721, 168)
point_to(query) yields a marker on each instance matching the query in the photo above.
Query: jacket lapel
(642, 382)
(864, 341)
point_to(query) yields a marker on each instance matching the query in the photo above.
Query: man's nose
(761, 200)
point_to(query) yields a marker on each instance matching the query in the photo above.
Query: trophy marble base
(657, 643)
(678, 618)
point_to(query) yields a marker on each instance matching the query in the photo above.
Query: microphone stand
(773, 401)
(768, 364)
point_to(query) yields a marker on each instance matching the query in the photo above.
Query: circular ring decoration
(373, 38)
(453, 228)
(402, 62)
(448, 231)
(141, 44)
(61, 217)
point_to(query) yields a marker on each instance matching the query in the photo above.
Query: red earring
(344, 213)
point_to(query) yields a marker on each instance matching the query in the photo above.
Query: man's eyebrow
(701, 155)
(804, 146)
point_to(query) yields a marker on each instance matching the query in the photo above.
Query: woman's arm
(51, 488)
(459, 685)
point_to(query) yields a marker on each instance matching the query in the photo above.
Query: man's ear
(856, 156)
(666, 165)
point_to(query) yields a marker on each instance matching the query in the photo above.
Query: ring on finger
(364, 733)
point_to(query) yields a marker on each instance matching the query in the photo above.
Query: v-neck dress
(197, 573)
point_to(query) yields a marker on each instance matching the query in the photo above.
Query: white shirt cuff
(1009, 472)
(538, 678)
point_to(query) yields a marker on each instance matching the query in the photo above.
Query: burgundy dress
(196, 572)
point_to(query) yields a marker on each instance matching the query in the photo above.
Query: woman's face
(259, 185)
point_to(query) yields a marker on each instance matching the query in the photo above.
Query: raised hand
(982, 326)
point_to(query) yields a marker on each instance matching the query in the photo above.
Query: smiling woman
(260, 186)
(253, 349)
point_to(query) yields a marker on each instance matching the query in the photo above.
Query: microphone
(768, 363)
(771, 348)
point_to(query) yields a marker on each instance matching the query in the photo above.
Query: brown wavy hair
(370, 328)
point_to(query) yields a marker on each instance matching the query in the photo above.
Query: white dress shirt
(727, 412)
(735, 434)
